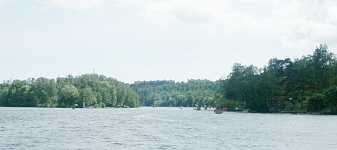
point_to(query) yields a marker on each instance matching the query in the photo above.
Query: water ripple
(162, 129)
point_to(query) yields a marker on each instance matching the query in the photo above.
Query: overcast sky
(157, 39)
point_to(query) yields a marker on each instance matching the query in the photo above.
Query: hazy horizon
(157, 39)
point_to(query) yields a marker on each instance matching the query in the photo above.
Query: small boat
(218, 111)
(74, 106)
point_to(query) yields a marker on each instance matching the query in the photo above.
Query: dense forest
(92, 90)
(89, 90)
(307, 84)
(173, 94)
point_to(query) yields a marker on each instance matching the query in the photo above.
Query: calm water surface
(162, 128)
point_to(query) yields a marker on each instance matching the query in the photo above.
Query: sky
(134, 40)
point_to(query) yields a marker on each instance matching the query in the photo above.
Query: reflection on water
(162, 128)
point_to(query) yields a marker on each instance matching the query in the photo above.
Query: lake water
(162, 128)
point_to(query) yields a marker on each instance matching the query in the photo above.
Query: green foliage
(45, 92)
(68, 96)
(307, 84)
(285, 85)
(173, 94)
(88, 90)
(330, 100)
(19, 94)
(316, 102)
(88, 96)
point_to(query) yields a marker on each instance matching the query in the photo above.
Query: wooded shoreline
(304, 85)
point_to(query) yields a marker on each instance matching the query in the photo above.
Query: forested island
(304, 85)
(89, 90)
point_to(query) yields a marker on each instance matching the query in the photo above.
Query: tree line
(89, 90)
(92, 90)
(176, 94)
(307, 84)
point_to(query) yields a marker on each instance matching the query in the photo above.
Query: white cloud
(217, 32)
(193, 11)
(73, 4)
(2, 2)
(309, 23)
(298, 23)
